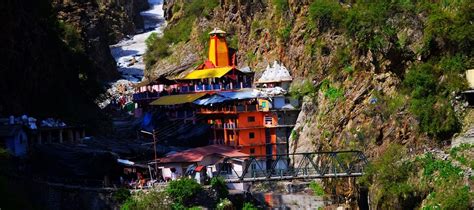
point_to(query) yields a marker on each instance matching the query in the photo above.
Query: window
(252, 150)
(264, 104)
(251, 119)
(251, 135)
(226, 168)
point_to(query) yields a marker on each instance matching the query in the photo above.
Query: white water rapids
(128, 54)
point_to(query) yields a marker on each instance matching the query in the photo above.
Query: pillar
(50, 137)
(77, 136)
(60, 136)
(70, 136)
(40, 141)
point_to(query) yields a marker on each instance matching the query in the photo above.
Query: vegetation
(432, 79)
(177, 195)
(397, 183)
(249, 206)
(330, 91)
(148, 200)
(300, 89)
(71, 36)
(121, 195)
(218, 184)
(429, 97)
(281, 6)
(317, 189)
(324, 14)
(182, 190)
(224, 204)
(178, 31)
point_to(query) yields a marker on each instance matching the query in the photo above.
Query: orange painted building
(237, 116)
(244, 124)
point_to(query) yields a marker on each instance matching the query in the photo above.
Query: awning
(245, 94)
(177, 99)
(211, 100)
(208, 73)
(227, 96)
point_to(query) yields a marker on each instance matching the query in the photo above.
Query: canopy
(245, 94)
(211, 100)
(208, 73)
(226, 96)
(177, 99)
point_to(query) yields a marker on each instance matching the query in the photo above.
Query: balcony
(214, 87)
(229, 109)
(225, 125)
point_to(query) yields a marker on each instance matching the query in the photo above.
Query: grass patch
(317, 189)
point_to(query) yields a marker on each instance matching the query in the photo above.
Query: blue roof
(211, 100)
(246, 94)
(226, 96)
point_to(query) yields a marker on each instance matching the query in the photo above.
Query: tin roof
(208, 73)
(177, 99)
(197, 154)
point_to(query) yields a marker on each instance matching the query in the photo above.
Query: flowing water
(128, 53)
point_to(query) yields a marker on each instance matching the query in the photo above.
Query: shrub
(388, 177)
(325, 13)
(421, 81)
(218, 184)
(366, 22)
(429, 101)
(306, 87)
(445, 181)
(179, 31)
(285, 32)
(121, 195)
(71, 36)
(317, 189)
(331, 92)
(224, 204)
(281, 6)
(149, 200)
(183, 189)
(249, 206)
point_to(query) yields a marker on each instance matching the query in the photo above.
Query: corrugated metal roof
(177, 99)
(197, 154)
(245, 94)
(227, 96)
(211, 100)
(208, 73)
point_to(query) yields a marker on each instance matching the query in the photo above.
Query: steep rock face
(357, 118)
(100, 24)
(353, 78)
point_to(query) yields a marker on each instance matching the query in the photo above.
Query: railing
(296, 166)
(229, 109)
(214, 87)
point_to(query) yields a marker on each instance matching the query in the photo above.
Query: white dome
(275, 73)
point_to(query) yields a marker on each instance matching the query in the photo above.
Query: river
(128, 53)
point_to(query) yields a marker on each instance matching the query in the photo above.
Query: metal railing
(314, 165)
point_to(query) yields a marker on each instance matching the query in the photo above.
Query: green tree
(182, 190)
(218, 184)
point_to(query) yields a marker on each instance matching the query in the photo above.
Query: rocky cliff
(370, 74)
(56, 55)
(100, 24)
